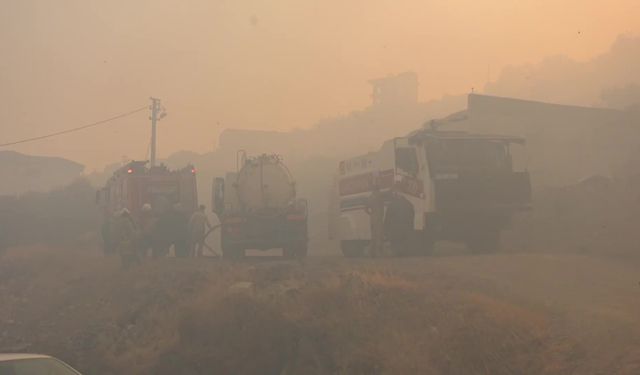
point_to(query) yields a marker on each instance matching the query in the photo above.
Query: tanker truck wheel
(295, 251)
(232, 252)
(289, 252)
(302, 251)
(425, 243)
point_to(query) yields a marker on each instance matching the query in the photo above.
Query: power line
(97, 123)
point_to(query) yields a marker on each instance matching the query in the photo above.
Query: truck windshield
(407, 160)
(459, 155)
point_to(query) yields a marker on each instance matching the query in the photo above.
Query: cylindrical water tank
(264, 184)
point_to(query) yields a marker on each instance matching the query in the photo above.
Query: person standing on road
(197, 224)
(171, 229)
(147, 223)
(375, 209)
(125, 235)
(162, 237)
(180, 231)
(108, 247)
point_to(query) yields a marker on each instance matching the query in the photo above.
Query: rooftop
(513, 105)
(438, 134)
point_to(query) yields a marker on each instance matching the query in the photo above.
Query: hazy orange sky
(264, 64)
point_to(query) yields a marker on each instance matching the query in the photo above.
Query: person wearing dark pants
(198, 224)
(125, 233)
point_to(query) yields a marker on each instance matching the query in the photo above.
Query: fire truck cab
(136, 184)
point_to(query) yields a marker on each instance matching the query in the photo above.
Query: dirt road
(497, 314)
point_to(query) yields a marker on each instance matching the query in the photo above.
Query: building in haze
(23, 173)
(566, 144)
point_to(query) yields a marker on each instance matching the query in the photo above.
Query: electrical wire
(97, 123)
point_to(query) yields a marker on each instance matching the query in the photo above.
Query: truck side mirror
(217, 196)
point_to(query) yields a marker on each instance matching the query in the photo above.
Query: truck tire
(302, 251)
(295, 251)
(353, 249)
(425, 242)
(484, 242)
(287, 252)
(415, 243)
(232, 252)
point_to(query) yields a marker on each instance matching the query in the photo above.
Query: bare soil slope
(500, 314)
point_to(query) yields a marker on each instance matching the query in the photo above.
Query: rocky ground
(448, 314)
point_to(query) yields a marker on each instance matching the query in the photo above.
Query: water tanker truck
(459, 187)
(258, 208)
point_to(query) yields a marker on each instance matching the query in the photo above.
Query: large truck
(135, 184)
(463, 187)
(259, 209)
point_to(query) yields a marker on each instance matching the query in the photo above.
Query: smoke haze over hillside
(606, 80)
(359, 187)
(256, 64)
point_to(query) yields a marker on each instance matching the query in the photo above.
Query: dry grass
(581, 219)
(322, 317)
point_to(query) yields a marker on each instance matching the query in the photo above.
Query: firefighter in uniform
(161, 238)
(108, 247)
(180, 221)
(125, 236)
(171, 229)
(197, 224)
(147, 224)
(375, 209)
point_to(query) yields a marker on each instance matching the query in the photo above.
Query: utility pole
(157, 113)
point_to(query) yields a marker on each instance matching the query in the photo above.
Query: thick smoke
(609, 80)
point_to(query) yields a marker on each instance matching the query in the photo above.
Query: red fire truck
(136, 184)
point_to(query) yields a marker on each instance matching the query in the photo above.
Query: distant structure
(254, 141)
(395, 110)
(394, 91)
(23, 173)
(566, 143)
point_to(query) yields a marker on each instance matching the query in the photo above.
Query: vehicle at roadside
(165, 193)
(33, 364)
(461, 187)
(135, 184)
(259, 209)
